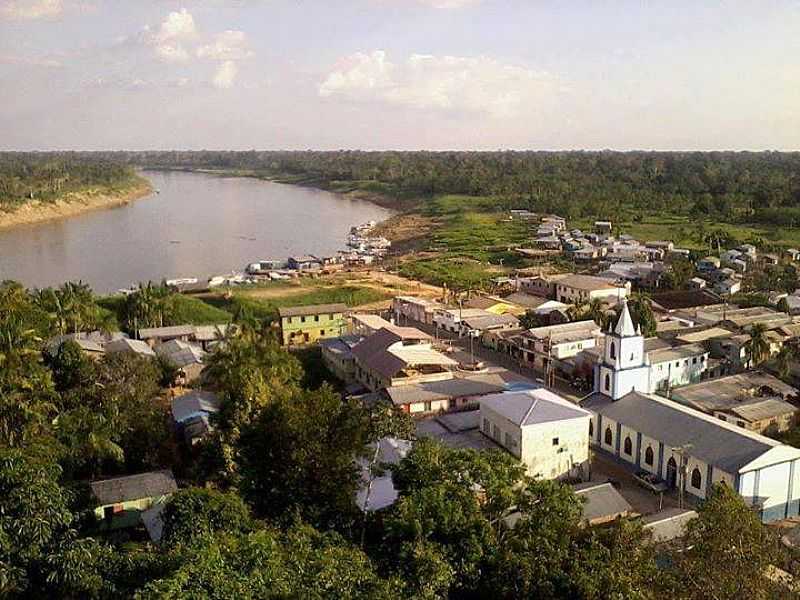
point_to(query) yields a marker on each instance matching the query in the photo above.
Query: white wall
(548, 460)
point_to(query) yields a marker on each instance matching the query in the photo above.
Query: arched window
(591, 428)
(648, 456)
(612, 352)
(609, 438)
(697, 479)
(608, 382)
(628, 446)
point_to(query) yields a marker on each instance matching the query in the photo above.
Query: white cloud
(225, 77)
(228, 45)
(175, 30)
(29, 61)
(480, 84)
(31, 9)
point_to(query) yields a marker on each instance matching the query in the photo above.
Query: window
(609, 438)
(316, 318)
(509, 441)
(302, 319)
(486, 428)
(322, 332)
(427, 407)
(694, 360)
(697, 479)
(740, 423)
(608, 381)
(628, 446)
(555, 441)
(612, 351)
(496, 432)
(591, 428)
(648, 456)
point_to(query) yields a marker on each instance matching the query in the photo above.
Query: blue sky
(406, 74)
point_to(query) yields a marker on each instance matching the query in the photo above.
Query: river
(198, 225)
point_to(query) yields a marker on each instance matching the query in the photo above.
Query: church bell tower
(624, 367)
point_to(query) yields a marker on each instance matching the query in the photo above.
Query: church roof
(625, 327)
(715, 442)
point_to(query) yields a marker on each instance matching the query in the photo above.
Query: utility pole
(681, 452)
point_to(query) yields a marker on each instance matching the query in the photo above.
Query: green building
(125, 502)
(301, 325)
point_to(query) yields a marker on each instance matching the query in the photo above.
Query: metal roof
(586, 282)
(726, 392)
(373, 351)
(602, 501)
(444, 390)
(532, 407)
(668, 524)
(134, 487)
(763, 408)
(192, 403)
(713, 441)
(316, 309)
(127, 345)
(676, 353)
(171, 331)
(180, 354)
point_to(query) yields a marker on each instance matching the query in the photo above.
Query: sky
(400, 74)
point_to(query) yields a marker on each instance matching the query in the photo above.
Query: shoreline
(72, 204)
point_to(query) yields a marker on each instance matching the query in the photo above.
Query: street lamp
(681, 452)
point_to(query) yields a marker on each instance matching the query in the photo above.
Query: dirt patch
(72, 204)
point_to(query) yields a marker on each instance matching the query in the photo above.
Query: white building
(582, 288)
(540, 345)
(681, 445)
(544, 431)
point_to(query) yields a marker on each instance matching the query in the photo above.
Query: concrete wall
(553, 450)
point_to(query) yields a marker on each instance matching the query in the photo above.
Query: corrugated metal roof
(717, 443)
(134, 487)
(191, 403)
(532, 407)
(316, 309)
(171, 331)
(372, 351)
(127, 345)
(763, 408)
(602, 501)
(444, 390)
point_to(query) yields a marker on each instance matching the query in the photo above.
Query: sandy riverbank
(73, 203)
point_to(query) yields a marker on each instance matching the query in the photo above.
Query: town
(641, 401)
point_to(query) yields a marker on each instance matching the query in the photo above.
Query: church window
(609, 437)
(697, 479)
(648, 456)
(613, 351)
(608, 382)
(628, 446)
(591, 428)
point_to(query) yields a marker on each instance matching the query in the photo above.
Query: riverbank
(73, 203)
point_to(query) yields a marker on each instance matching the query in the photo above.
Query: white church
(681, 445)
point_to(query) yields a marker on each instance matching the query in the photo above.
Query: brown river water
(197, 226)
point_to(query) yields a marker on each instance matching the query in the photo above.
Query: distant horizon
(406, 75)
(431, 150)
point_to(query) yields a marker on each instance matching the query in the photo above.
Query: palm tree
(783, 361)
(576, 310)
(758, 345)
(596, 310)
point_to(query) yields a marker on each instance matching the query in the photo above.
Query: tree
(758, 345)
(300, 456)
(679, 274)
(196, 512)
(726, 551)
(783, 361)
(640, 306)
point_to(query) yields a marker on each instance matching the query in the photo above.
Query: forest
(735, 187)
(266, 504)
(47, 177)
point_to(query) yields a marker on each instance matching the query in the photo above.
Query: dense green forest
(761, 187)
(49, 176)
(266, 505)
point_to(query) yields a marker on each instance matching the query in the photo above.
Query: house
(188, 359)
(748, 250)
(697, 283)
(792, 254)
(708, 264)
(770, 259)
(306, 324)
(475, 326)
(668, 525)
(130, 346)
(537, 304)
(676, 366)
(547, 433)
(304, 263)
(754, 399)
(459, 393)
(586, 253)
(366, 324)
(208, 336)
(602, 227)
(92, 343)
(337, 354)
(582, 288)
(415, 309)
(729, 256)
(399, 356)
(728, 287)
(159, 335)
(191, 413)
(376, 492)
(495, 305)
(683, 446)
(450, 319)
(129, 501)
(541, 345)
(602, 503)
(548, 242)
(664, 245)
